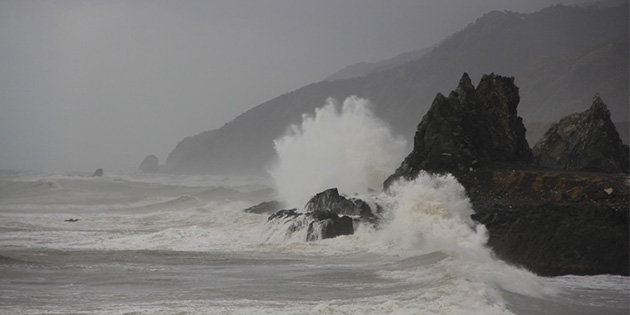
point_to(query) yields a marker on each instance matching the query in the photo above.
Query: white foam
(432, 213)
(348, 148)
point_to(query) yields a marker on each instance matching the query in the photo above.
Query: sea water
(181, 244)
(160, 245)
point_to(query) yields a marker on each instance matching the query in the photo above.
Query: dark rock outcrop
(321, 224)
(150, 164)
(328, 224)
(553, 239)
(98, 173)
(265, 207)
(469, 128)
(331, 200)
(586, 141)
(284, 214)
(553, 222)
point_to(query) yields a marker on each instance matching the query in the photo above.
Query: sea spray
(351, 149)
(348, 148)
(427, 231)
(432, 213)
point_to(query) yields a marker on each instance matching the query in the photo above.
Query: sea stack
(98, 173)
(586, 141)
(150, 164)
(469, 128)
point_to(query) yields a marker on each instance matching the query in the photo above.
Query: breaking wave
(348, 147)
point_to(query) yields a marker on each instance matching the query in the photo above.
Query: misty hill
(561, 56)
(364, 68)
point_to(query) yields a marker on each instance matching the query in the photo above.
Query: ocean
(175, 244)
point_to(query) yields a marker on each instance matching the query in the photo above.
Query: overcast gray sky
(89, 84)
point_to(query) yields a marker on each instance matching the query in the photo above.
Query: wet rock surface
(331, 200)
(320, 224)
(327, 224)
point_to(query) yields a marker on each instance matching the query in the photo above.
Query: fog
(90, 84)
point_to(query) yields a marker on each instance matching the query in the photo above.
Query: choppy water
(177, 244)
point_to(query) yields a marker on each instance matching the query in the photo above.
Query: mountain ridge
(501, 42)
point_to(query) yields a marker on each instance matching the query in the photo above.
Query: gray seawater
(183, 245)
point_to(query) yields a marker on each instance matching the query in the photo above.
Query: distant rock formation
(469, 128)
(150, 164)
(586, 141)
(98, 173)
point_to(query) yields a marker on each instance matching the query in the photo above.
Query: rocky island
(150, 164)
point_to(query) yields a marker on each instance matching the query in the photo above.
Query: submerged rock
(265, 207)
(469, 128)
(319, 224)
(327, 224)
(98, 173)
(150, 164)
(586, 141)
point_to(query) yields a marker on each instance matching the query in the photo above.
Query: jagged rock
(284, 214)
(327, 224)
(150, 164)
(98, 173)
(331, 200)
(321, 224)
(469, 128)
(553, 222)
(586, 141)
(265, 207)
(293, 220)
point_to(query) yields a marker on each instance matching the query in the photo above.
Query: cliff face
(554, 222)
(585, 141)
(548, 52)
